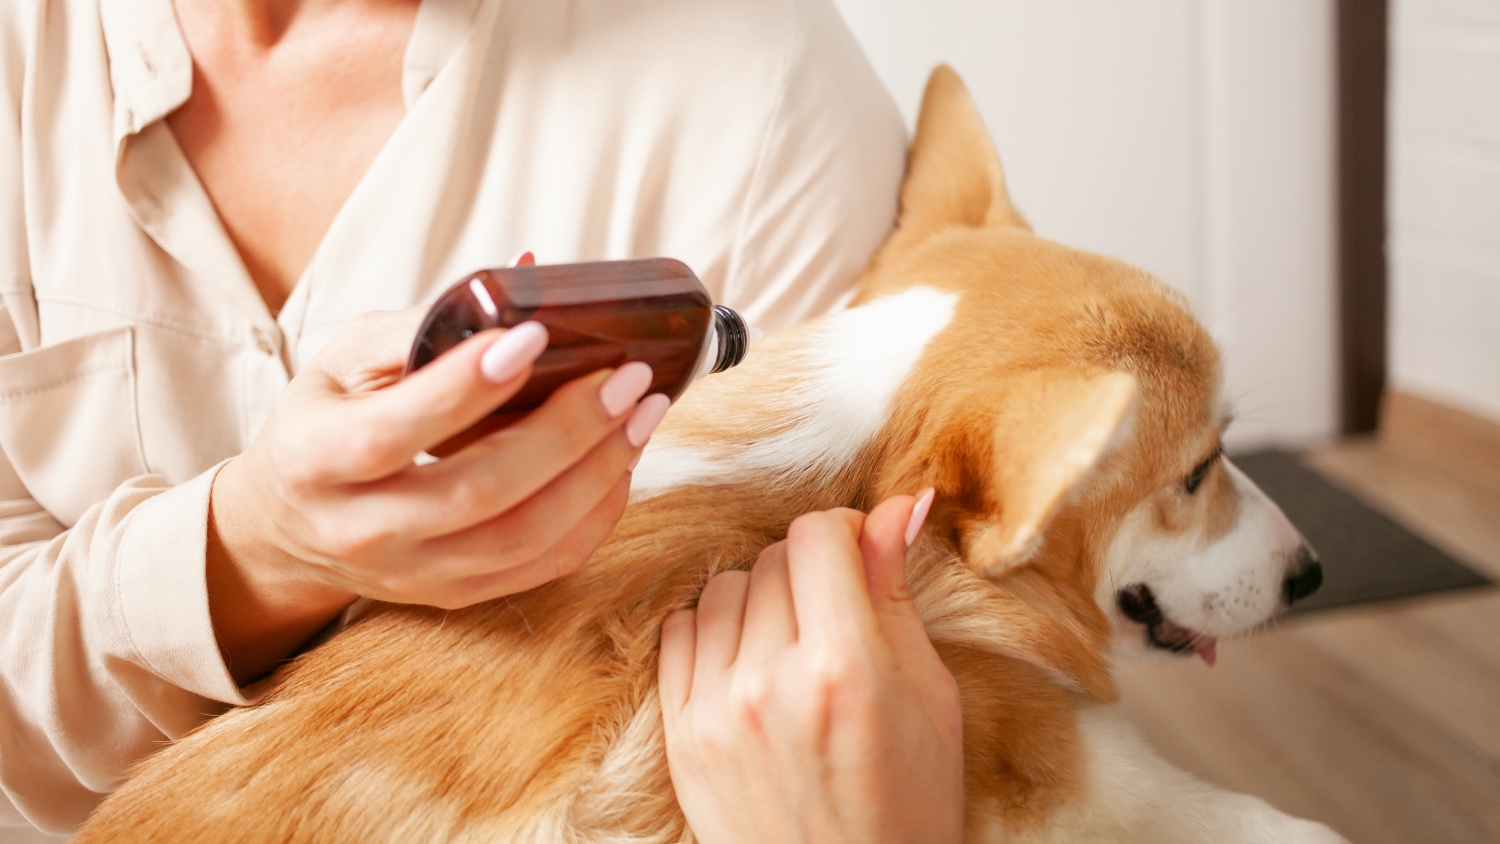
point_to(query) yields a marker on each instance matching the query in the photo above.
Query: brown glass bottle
(598, 315)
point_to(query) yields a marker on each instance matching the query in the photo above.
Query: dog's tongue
(1206, 648)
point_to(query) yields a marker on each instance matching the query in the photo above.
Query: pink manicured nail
(635, 461)
(625, 387)
(919, 514)
(648, 415)
(513, 352)
(525, 259)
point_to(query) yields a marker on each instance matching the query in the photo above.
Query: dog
(1065, 408)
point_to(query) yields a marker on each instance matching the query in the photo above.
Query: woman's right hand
(328, 503)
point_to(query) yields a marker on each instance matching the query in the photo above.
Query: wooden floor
(1382, 721)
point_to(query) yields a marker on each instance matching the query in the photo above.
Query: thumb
(883, 543)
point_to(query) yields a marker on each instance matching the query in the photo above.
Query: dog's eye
(1195, 479)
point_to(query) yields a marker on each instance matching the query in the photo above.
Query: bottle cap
(734, 338)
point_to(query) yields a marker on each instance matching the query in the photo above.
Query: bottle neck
(727, 342)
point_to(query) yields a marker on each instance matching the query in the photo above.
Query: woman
(205, 455)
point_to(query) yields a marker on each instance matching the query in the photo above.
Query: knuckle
(712, 587)
(579, 418)
(806, 526)
(518, 547)
(714, 735)
(724, 580)
(291, 474)
(678, 623)
(398, 584)
(368, 448)
(448, 404)
(750, 696)
(821, 522)
(802, 523)
(574, 429)
(769, 556)
(834, 674)
(466, 496)
(295, 482)
(339, 548)
(390, 587)
(343, 542)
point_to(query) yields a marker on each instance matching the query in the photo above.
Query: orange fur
(534, 717)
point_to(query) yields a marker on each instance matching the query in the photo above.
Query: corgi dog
(1064, 406)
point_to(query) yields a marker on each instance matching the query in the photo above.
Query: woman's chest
(279, 132)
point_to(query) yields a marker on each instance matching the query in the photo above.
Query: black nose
(1306, 576)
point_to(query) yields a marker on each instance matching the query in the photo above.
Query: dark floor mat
(1366, 556)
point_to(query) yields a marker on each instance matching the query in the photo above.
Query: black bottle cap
(734, 338)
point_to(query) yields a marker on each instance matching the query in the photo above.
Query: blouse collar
(151, 69)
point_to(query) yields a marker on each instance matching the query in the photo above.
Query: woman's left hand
(803, 701)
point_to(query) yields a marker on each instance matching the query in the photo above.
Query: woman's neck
(260, 23)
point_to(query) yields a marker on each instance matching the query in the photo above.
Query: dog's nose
(1306, 576)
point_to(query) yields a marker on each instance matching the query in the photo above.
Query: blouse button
(263, 341)
(147, 60)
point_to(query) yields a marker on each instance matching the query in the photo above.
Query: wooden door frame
(1363, 47)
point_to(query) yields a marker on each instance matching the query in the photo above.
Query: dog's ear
(1054, 426)
(953, 175)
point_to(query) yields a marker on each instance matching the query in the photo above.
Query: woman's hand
(803, 701)
(328, 503)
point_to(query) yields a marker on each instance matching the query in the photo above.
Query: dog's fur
(1055, 399)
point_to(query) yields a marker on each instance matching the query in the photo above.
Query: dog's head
(1069, 415)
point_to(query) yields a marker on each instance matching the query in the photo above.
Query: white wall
(1191, 137)
(1445, 201)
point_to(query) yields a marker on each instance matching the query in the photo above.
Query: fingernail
(525, 259)
(647, 416)
(625, 387)
(635, 460)
(919, 514)
(513, 352)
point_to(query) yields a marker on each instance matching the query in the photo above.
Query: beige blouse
(747, 137)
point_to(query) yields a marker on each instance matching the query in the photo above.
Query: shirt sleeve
(824, 192)
(106, 647)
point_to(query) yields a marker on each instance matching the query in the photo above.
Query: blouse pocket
(68, 420)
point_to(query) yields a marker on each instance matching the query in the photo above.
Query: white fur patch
(852, 366)
(1134, 797)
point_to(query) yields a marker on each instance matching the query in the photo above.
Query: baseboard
(1443, 437)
